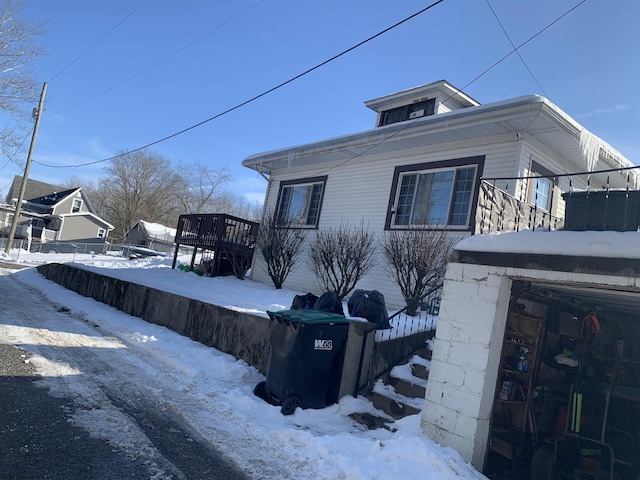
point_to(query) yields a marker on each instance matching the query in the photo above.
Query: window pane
(405, 199)
(314, 207)
(541, 190)
(432, 198)
(462, 197)
(300, 199)
(285, 201)
(300, 204)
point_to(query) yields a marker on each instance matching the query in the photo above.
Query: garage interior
(567, 402)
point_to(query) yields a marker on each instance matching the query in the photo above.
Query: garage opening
(568, 394)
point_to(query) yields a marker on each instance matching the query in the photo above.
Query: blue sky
(587, 64)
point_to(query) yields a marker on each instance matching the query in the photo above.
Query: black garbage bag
(369, 304)
(304, 302)
(329, 302)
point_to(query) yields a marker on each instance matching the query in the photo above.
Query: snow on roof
(157, 229)
(606, 244)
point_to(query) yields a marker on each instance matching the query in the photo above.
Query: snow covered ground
(210, 391)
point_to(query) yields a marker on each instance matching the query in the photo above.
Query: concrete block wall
(468, 345)
(466, 355)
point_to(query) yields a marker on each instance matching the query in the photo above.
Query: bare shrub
(340, 257)
(281, 248)
(417, 260)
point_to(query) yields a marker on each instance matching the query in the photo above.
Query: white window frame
(539, 198)
(457, 167)
(102, 232)
(79, 205)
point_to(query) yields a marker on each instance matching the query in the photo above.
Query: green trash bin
(305, 359)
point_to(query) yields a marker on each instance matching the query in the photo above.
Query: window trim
(301, 182)
(103, 231)
(477, 161)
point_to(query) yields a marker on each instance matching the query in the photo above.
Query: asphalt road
(39, 440)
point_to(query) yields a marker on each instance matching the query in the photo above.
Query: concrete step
(425, 353)
(394, 408)
(407, 388)
(420, 371)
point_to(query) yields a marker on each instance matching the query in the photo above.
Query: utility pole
(23, 187)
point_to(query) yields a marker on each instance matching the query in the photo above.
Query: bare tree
(417, 260)
(18, 53)
(72, 182)
(200, 186)
(137, 185)
(281, 248)
(341, 257)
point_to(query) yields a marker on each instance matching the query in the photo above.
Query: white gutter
(380, 134)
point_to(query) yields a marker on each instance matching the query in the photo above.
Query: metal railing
(407, 336)
(500, 211)
(589, 201)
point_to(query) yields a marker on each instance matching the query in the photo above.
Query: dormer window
(407, 112)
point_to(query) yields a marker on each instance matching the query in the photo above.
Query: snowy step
(425, 353)
(407, 388)
(373, 422)
(391, 406)
(420, 371)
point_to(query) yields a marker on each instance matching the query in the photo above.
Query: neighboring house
(151, 235)
(429, 164)
(56, 214)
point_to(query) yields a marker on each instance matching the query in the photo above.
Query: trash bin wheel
(290, 404)
(260, 390)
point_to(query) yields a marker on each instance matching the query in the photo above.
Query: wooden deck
(227, 242)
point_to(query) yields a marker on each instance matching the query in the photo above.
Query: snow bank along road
(96, 408)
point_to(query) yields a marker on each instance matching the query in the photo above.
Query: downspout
(264, 211)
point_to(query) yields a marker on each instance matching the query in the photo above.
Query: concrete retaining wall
(242, 335)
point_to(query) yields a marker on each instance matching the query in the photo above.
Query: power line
(256, 97)
(113, 87)
(458, 90)
(10, 157)
(98, 41)
(516, 50)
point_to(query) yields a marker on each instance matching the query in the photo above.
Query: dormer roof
(442, 91)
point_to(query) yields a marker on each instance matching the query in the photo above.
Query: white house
(428, 163)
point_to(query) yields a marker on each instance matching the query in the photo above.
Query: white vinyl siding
(358, 192)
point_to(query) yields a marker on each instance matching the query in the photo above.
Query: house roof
(532, 114)
(34, 189)
(86, 214)
(52, 198)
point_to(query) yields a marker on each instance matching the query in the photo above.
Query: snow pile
(211, 391)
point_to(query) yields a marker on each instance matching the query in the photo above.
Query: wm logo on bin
(319, 344)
